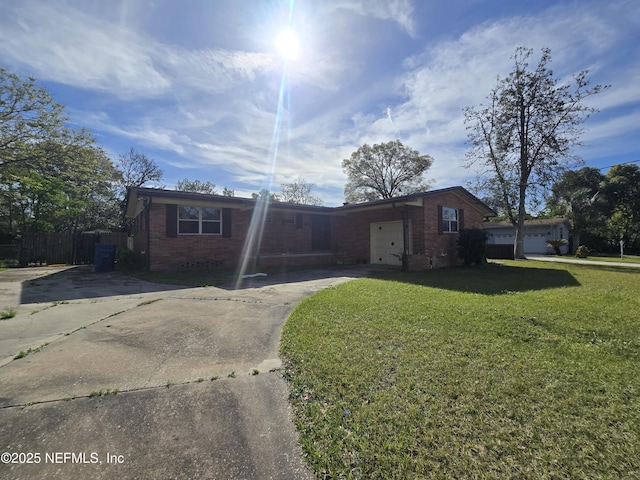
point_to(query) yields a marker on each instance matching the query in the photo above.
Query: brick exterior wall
(430, 249)
(141, 237)
(286, 233)
(350, 233)
(288, 238)
(440, 250)
(194, 251)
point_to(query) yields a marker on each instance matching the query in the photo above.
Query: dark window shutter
(172, 220)
(439, 219)
(226, 222)
(299, 220)
(460, 219)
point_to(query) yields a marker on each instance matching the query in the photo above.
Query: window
(449, 219)
(288, 218)
(199, 221)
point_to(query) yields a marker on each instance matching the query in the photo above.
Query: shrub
(556, 244)
(582, 251)
(471, 246)
(128, 259)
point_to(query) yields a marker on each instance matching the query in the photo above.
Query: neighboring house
(180, 230)
(537, 234)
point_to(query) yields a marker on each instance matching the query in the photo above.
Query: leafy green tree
(384, 170)
(28, 115)
(523, 137)
(577, 197)
(90, 179)
(196, 186)
(621, 189)
(64, 188)
(299, 192)
(51, 177)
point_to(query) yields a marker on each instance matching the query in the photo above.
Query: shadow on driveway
(60, 284)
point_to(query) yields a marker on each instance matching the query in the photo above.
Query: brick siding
(287, 238)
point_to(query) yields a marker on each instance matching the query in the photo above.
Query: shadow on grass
(492, 279)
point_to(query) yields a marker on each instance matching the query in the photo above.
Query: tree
(136, 170)
(265, 195)
(196, 186)
(576, 196)
(299, 192)
(52, 178)
(63, 188)
(621, 189)
(384, 170)
(28, 115)
(90, 178)
(523, 138)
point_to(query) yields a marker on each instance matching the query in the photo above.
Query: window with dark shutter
(449, 220)
(226, 222)
(172, 220)
(189, 220)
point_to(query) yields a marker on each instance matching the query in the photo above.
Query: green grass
(8, 313)
(527, 370)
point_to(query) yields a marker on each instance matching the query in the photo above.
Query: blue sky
(196, 85)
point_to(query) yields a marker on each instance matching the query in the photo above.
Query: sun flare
(288, 45)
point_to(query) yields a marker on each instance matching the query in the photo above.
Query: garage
(535, 243)
(386, 243)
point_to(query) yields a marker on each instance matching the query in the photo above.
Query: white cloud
(212, 108)
(71, 47)
(447, 77)
(213, 71)
(399, 11)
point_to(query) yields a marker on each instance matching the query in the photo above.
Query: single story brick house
(536, 234)
(181, 230)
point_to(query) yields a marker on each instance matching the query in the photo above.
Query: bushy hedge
(471, 246)
(128, 260)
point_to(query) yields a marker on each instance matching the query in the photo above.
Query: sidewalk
(548, 258)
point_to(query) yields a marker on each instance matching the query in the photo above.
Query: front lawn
(526, 370)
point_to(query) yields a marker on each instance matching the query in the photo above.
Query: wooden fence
(59, 248)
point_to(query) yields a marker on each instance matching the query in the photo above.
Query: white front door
(386, 243)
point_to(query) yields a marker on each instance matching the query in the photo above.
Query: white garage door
(386, 243)
(535, 243)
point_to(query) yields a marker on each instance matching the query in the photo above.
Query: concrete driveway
(122, 378)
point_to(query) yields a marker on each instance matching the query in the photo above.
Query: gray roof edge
(248, 202)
